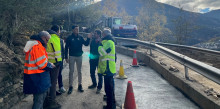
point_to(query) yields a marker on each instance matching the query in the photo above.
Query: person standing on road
(74, 44)
(60, 78)
(54, 56)
(36, 71)
(107, 66)
(94, 60)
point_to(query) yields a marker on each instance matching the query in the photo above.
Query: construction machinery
(119, 29)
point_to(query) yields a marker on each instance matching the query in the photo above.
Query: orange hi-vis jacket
(36, 58)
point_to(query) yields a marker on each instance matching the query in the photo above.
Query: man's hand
(67, 61)
(90, 35)
(99, 39)
(53, 65)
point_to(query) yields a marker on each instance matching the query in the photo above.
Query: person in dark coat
(74, 44)
(94, 60)
(60, 77)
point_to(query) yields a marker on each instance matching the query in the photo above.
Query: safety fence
(206, 70)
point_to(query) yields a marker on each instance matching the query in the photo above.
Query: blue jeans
(39, 100)
(60, 78)
(93, 66)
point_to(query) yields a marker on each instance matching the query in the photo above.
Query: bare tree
(151, 24)
(110, 8)
(183, 26)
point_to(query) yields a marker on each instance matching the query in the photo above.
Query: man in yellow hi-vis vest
(107, 66)
(54, 56)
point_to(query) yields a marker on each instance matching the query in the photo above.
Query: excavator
(118, 29)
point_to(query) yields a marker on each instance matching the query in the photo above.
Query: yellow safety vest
(55, 53)
(104, 56)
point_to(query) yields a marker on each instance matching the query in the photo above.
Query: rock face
(11, 72)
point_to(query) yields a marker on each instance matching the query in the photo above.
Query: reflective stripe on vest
(54, 49)
(100, 53)
(35, 61)
(103, 50)
(50, 57)
(35, 68)
(108, 59)
(54, 53)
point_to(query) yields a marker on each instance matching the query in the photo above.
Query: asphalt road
(150, 89)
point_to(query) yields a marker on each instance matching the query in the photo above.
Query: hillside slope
(208, 25)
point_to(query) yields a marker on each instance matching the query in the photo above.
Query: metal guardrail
(206, 70)
(190, 47)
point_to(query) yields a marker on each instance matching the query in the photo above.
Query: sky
(201, 6)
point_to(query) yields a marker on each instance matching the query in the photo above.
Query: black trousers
(93, 67)
(53, 77)
(60, 78)
(110, 91)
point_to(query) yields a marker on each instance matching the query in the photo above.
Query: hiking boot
(105, 107)
(80, 88)
(46, 102)
(53, 104)
(58, 93)
(70, 90)
(108, 107)
(92, 86)
(98, 91)
(62, 90)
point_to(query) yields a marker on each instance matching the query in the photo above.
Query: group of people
(44, 55)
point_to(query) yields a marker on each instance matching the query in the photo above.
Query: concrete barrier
(192, 90)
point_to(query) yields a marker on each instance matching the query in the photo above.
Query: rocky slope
(11, 72)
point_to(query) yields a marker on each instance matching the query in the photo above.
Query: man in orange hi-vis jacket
(36, 69)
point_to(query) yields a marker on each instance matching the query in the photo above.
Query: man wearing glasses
(36, 71)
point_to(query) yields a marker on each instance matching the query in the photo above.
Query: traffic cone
(121, 74)
(129, 98)
(134, 63)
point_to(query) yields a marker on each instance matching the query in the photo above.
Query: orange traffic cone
(134, 63)
(129, 98)
(121, 74)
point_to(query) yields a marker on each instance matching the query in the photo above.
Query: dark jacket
(39, 82)
(62, 48)
(74, 45)
(94, 54)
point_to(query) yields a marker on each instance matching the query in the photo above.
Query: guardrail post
(186, 72)
(208, 71)
(151, 54)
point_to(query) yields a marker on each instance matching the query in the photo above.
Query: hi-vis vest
(35, 59)
(104, 56)
(54, 49)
